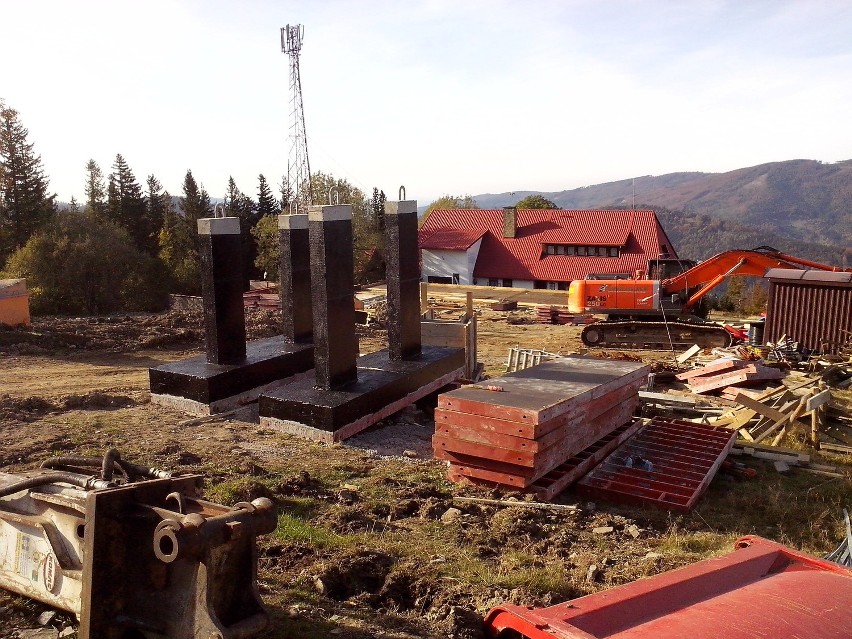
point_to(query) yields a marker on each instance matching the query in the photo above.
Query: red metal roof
(451, 239)
(637, 233)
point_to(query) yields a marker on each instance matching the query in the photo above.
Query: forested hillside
(802, 206)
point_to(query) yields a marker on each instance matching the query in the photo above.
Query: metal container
(762, 589)
(813, 308)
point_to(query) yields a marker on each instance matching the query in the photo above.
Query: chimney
(510, 221)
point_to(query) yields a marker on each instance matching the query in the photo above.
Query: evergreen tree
(266, 202)
(95, 191)
(286, 194)
(378, 206)
(157, 202)
(238, 204)
(179, 237)
(126, 205)
(24, 201)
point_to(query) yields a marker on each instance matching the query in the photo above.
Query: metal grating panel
(683, 458)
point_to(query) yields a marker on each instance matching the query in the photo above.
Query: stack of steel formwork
(520, 427)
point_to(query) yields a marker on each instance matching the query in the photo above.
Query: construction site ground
(369, 541)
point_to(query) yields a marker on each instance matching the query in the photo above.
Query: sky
(441, 96)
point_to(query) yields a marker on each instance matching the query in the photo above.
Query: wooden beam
(767, 411)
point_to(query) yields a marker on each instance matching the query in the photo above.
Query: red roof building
(538, 248)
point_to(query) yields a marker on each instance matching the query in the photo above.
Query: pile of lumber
(726, 374)
(768, 416)
(560, 315)
(520, 427)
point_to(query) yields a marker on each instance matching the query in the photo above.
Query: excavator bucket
(761, 589)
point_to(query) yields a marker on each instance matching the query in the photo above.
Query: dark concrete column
(222, 289)
(295, 277)
(403, 277)
(333, 288)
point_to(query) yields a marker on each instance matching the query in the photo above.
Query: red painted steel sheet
(521, 468)
(761, 589)
(574, 416)
(684, 456)
(561, 477)
(538, 394)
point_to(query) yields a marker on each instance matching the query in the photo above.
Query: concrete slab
(267, 361)
(381, 382)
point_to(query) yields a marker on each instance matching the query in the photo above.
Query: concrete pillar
(222, 289)
(295, 277)
(333, 289)
(403, 277)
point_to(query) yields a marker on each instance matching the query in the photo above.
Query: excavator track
(654, 335)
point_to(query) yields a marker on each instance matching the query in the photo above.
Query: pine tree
(125, 203)
(286, 194)
(179, 237)
(157, 203)
(378, 205)
(24, 201)
(266, 202)
(238, 204)
(95, 191)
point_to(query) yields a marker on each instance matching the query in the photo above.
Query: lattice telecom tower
(298, 166)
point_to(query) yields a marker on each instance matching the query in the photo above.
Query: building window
(437, 279)
(493, 282)
(507, 282)
(552, 286)
(584, 250)
(456, 278)
(563, 286)
(539, 284)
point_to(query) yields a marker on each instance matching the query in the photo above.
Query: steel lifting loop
(402, 193)
(179, 501)
(293, 207)
(219, 208)
(166, 546)
(333, 195)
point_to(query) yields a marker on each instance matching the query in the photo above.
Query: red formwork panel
(683, 456)
(558, 479)
(760, 590)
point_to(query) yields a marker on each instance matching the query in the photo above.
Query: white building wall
(440, 263)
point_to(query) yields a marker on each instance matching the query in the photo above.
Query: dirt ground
(369, 541)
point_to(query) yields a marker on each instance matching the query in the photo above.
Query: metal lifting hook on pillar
(401, 193)
(333, 195)
(219, 211)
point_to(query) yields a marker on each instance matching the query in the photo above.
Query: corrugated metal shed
(812, 307)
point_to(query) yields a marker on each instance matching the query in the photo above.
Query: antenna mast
(298, 166)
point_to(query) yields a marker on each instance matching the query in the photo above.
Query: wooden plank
(688, 353)
(801, 456)
(815, 401)
(835, 448)
(666, 398)
(710, 369)
(766, 411)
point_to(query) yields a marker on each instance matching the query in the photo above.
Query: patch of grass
(293, 528)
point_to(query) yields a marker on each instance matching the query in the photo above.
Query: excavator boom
(715, 270)
(654, 313)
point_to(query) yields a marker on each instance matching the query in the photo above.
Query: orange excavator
(643, 313)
